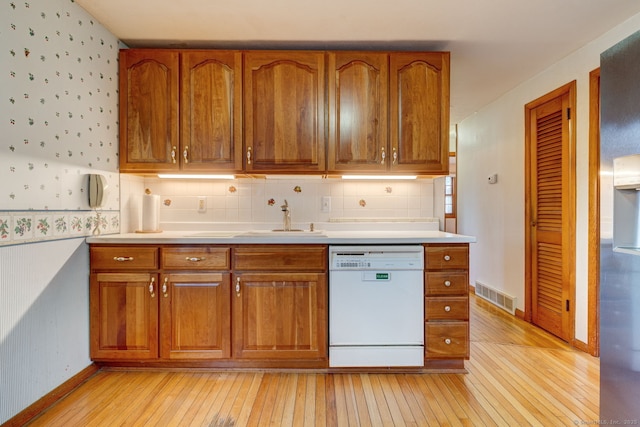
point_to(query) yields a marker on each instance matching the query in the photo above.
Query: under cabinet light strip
(200, 176)
(380, 177)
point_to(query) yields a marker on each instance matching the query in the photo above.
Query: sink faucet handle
(285, 207)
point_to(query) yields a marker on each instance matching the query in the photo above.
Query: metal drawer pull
(185, 154)
(447, 308)
(248, 155)
(447, 258)
(164, 287)
(447, 283)
(122, 258)
(195, 259)
(173, 154)
(384, 156)
(447, 341)
(237, 286)
(152, 288)
(395, 156)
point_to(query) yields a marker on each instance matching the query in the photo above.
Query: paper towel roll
(150, 212)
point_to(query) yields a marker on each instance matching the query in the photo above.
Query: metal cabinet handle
(447, 341)
(248, 155)
(122, 258)
(195, 259)
(447, 283)
(395, 156)
(152, 290)
(447, 308)
(174, 149)
(384, 156)
(237, 286)
(185, 154)
(164, 287)
(447, 258)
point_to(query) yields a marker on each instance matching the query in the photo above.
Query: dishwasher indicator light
(382, 276)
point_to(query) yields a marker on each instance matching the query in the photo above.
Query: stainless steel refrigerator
(620, 232)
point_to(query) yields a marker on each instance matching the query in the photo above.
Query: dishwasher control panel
(400, 257)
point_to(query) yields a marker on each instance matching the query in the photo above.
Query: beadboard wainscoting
(44, 319)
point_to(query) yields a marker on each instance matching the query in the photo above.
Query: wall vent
(502, 300)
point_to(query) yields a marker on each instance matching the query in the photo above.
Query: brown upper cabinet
(358, 106)
(266, 111)
(388, 112)
(211, 110)
(148, 110)
(205, 87)
(419, 112)
(284, 110)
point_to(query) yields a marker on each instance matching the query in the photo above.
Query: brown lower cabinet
(446, 306)
(170, 304)
(261, 306)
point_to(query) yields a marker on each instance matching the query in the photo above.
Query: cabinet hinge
(567, 305)
(568, 113)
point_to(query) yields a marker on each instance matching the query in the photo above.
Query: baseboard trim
(52, 397)
(582, 346)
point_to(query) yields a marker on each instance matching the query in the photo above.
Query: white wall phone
(97, 190)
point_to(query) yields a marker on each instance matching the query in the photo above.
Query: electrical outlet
(325, 204)
(202, 204)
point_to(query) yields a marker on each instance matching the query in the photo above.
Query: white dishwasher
(376, 306)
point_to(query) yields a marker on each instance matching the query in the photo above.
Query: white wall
(492, 141)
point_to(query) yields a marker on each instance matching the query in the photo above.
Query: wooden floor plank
(517, 375)
(248, 398)
(359, 398)
(381, 401)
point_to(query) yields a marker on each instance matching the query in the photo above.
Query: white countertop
(320, 237)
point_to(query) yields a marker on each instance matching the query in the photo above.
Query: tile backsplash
(259, 200)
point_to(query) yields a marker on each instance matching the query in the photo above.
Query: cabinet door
(195, 316)
(284, 95)
(280, 316)
(148, 110)
(211, 110)
(358, 98)
(419, 112)
(124, 316)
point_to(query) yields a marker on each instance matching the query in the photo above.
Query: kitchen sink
(214, 234)
(283, 233)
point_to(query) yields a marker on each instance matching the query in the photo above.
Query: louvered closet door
(549, 184)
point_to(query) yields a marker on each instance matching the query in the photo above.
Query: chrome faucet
(286, 226)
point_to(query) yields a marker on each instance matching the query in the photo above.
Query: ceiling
(494, 44)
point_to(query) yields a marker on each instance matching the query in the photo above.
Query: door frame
(570, 192)
(593, 290)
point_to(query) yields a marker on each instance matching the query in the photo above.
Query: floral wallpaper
(59, 115)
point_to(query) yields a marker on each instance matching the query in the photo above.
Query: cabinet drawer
(445, 308)
(446, 283)
(446, 256)
(123, 257)
(445, 340)
(196, 258)
(280, 258)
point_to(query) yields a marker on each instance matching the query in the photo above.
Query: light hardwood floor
(518, 375)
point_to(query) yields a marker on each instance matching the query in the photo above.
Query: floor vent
(502, 300)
